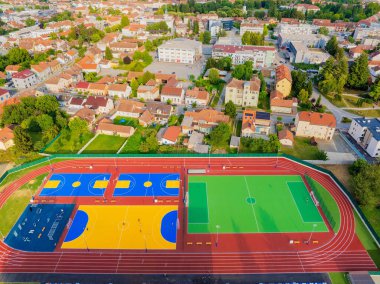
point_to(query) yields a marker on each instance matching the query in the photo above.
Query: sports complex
(182, 215)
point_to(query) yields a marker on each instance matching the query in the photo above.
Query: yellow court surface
(123, 227)
(101, 184)
(172, 184)
(123, 184)
(52, 184)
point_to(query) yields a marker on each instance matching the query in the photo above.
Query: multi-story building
(366, 132)
(255, 123)
(173, 95)
(203, 121)
(303, 54)
(24, 79)
(251, 27)
(180, 50)
(261, 56)
(300, 29)
(315, 124)
(243, 93)
(310, 40)
(372, 31)
(283, 80)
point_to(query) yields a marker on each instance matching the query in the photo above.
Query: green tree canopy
(230, 109)
(23, 141)
(359, 73)
(213, 76)
(220, 135)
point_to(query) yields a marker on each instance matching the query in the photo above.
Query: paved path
(219, 106)
(88, 143)
(336, 111)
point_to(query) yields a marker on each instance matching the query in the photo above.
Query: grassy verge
(367, 240)
(105, 144)
(133, 143)
(301, 149)
(328, 202)
(367, 113)
(62, 146)
(238, 128)
(338, 278)
(128, 121)
(17, 202)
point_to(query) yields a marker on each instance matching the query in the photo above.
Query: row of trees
(224, 63)
(252, 38)
(159, 27)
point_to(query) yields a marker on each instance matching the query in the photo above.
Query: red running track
(248, 253)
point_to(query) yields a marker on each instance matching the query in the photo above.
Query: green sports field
(251, 204)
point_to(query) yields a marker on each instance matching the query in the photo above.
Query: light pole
(217, 235)
(312, 231)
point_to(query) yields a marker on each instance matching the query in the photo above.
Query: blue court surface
(76, 185)
(165, 184)
(39, 227)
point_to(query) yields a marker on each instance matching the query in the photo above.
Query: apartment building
(283, 80)
(261, 56)
(298, 28)
(314, 124)
(180, 50)
(366, 132)
(243, 93)
(255, 123)
(251, 27)
(24, 79)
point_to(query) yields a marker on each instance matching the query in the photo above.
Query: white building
(366, 132)
(24, 79)
(261, 56)
(301, 29)
(372, 31)
(251, 27)
(180, 50)
(303, 54)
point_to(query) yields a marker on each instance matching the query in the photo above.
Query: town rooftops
(3, 92)
(172, 133)
(239, 84)
(171, 91)
(82, 85)
(316, 118)
(23, 74)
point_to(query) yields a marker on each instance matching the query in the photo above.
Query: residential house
(196, 138)
(170, 135)
(106, 126)
(160, 111)
(129, 108)
(366, 132)
(146, 118)
(314, 124)
(148, 92)
(6, 138)
(283, 80)
(4, 95)
(255, 123)
(82, 87)
(24, 79)
(120, 90)
(97, 89)
(11, 69)
(243, 93)
(55, 66)
(286, 137)
(204, 120)
(173, 95)
(278, 104)
(197, 96)
(42, 70)
(99, 104)
(74, 104)
(86, 114)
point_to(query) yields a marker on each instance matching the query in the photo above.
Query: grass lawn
(17, 202)
(217, 95)
(133, 143)
(373, 216)
(338, 278)
(367, 113)
(61, 146)
(105, 144)
(301, 149)
(238, 128)
(328, 202)
(128, 121)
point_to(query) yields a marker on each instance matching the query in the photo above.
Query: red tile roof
(172, 133)
(316, 118)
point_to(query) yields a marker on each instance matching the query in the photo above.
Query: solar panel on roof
(262, 115)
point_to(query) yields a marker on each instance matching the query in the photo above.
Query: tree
(358, 166)
(252, 38)
(124, 22)
(323, 31)
(220, 135)
(243, 71)
(108, 53)
(17, 55)
(145, 78)
(303, 96)
(359, 73)
(134, 87)
(332, 46)
(23, 141)
(47, 104)
(265, 30)
(205, 37)
(213, 76)
(30, 22)
(300, 81)
(375, 91)
(230, 109)
(45, 122)
(366, 184)
(196, 27)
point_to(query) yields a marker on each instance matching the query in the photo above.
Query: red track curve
(255, 253)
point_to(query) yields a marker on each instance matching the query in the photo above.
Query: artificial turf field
(251, 204)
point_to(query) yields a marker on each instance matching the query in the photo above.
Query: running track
(341, 252)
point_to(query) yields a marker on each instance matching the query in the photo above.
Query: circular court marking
(251, 200)
(148, 184)
(76, 184)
